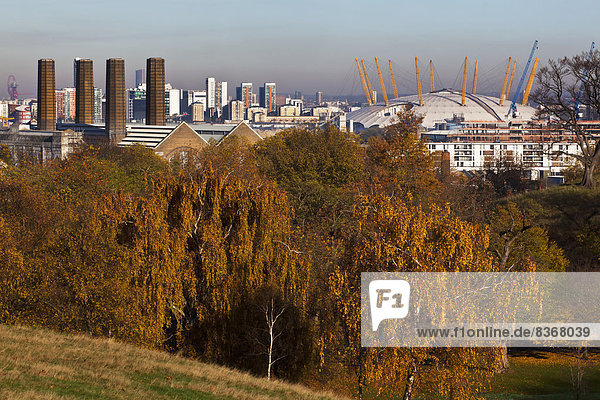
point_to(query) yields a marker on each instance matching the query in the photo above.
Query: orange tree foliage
(390, 235)
(109, 244)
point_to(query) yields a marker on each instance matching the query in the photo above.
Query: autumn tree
(391, 236)
(399, 162)
(564, 87)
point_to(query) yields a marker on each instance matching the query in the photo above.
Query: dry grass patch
(40, 364)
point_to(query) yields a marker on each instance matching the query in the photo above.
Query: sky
(306, 45)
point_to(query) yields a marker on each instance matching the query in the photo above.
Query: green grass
(40, 364)
(545, 375)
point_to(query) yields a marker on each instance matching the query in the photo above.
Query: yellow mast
(419, 82)
(364, 84)
(475, 78)
(512, 75)
(431, 75)
(464, 87)
(530, 82)
(393, 80)
(368, 81)
(383, 92)
(505, 80)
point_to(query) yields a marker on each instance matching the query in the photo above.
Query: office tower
(173, 97)
(97, 105)
(46, 118)
(115, 100)
(268, 97)
(84, 91)
(140, 77)
(155, 91)
(244, 94)
(211, 92)
(222, 97)
(319, 98)
(298, 95)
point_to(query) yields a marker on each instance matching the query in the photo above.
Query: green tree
(399, 162)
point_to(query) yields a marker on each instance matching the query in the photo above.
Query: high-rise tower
(46, 118)
(115, 100)
(84, 91)
(155, 91)
(268, 97)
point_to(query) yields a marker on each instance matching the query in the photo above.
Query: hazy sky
(305, 45)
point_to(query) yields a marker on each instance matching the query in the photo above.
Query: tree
(391, 236)
(399, 162)
(312, 166)
(560, 85)
(518, 241)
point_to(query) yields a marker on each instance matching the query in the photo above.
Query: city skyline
(308, 46)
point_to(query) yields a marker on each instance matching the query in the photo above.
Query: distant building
(198, 112)
(172, 101)
(244, 94)
(189, 97)
(22, 115)
(40, 145)
(97, 105)
(140, 77)
(255, 111)
(75, 70)
(289, 111)
(295, 102)
(268, 98)
(211, 92)
(222, 95)
(319, 98)
(65, 104)
(136, 105)
(4, 110)
(155, 91)
(236, 110)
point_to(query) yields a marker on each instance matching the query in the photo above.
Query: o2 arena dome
(441, 106)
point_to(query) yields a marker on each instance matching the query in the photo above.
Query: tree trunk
(504, 363)
(360, 372)
(410, 380)
(588, 176)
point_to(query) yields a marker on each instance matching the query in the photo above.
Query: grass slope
(41, 364)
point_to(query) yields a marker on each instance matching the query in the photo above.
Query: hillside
(41, 364)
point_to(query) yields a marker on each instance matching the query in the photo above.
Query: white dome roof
(441, 106)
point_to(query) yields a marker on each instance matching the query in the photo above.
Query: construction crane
(578, 99)
(530, 82)
(383, 91)
(393, 80)
(364, 84)
(464, 85)
(5, 122)
(475, 78)
(368, 82)
(431, 75)
(419, 82)
(505, 81)
(512, 111)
